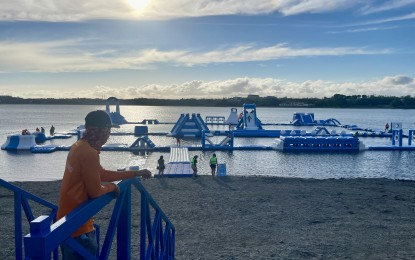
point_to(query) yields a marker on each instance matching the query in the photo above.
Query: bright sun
(138, 5)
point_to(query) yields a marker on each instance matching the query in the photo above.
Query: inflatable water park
(326, 135)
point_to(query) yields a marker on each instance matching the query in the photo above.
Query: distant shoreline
(336, 101)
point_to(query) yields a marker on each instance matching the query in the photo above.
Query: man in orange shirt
(83, 176)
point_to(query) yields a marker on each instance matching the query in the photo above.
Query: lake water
(26, 166)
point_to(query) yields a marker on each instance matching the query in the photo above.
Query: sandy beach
(267, 218)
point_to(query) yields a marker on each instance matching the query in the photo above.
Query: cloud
(289, 7)
(398, 85)
(410, 16)
(386, 6)
(397, 80)
(79, 10)
(248, 53)
(62, 10)
(367, 29)
(67, 56)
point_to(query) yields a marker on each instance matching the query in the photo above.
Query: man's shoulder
(82, 146)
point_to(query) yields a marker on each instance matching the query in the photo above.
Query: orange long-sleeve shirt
(82, 181)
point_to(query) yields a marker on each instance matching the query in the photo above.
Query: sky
(206, 49)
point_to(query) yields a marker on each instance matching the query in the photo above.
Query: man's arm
(91, 177)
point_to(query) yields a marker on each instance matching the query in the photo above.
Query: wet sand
(267, 218)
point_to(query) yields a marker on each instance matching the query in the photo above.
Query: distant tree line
(336, 101)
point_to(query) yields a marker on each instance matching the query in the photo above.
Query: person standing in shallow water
(83, 177)
(160, 165)
(52, 130)
(213, 164)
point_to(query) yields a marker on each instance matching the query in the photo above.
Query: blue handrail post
(143, 224)
(202, 139)
(397, 136)
(18, 225)
(39, 248)
(124, 227)
(411, 136)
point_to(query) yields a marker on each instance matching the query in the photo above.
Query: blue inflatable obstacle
(40, 137)
(140, 130)
(23, 142)
(313, 143)
(303, 119)
(307, 119)
(189, 126)
(19, 142)
(225, 144)
(116, 117)
(28, 143)
(149, 122)
(248, 119)
(233, 117)
(142, 142)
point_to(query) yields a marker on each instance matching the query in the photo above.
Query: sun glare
(138, 5)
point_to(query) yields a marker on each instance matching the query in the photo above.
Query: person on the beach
(160, 165)
(52, 130)
(83, 176)
(194, 165)
(213, 164)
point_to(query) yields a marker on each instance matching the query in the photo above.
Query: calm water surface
(25, 166)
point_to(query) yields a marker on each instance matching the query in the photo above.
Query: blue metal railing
(157, 235)
(21, 200)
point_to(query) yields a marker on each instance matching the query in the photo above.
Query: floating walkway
(397, 142)
(179, 163)
(391, 148)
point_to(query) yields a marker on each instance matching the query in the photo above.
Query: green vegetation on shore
(336, 101)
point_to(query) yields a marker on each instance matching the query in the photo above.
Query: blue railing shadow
(157, 236)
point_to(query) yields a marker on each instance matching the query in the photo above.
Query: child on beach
(83, 176)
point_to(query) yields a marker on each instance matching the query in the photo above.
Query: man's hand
(146, 174)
